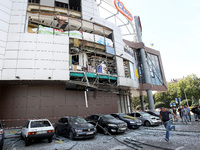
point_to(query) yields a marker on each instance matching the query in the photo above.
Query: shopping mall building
(72, 57)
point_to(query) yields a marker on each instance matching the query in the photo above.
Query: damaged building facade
(62, 58)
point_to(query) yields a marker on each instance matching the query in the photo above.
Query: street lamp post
(186, 98)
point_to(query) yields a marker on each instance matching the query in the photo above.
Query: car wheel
(50, 139)
(71, 135)
(147, 123)
(105, 130)
(27, 142)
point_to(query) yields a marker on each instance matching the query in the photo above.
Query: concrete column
(144, 63)
(124, 99)
(142, 103)
(130, 102)
(120, 101)
(150, 98)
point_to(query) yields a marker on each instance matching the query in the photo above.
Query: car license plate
(139, 123)
(41, 132)
(122, 128)
(89, 133)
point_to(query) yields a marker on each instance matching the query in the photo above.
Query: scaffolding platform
(93, 75)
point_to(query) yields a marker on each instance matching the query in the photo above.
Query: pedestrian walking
(189, 114)
(164, 117)
(180, 113)
(175, 112)
(185, 114)
(195, 111)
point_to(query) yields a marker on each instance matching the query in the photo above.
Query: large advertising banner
(75, 34)
(45, 30)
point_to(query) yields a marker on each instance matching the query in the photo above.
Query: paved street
(186, 137)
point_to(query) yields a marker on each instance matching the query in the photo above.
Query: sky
(173, 26)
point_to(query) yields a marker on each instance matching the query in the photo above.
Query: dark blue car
(132, 122)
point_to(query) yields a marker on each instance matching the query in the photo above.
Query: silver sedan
(147, 119)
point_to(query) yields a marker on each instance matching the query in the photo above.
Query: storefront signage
(121, 8)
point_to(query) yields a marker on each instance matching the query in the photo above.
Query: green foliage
(194, 101)
(187, 87)
(135, 102)
(138, 107)
(159, 104)
(173, 101)
(147, 105)
(184, 102)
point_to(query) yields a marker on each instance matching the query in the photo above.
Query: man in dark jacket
(180, 113)
(196, 112)
(164, 117)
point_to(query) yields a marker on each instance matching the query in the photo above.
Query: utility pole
(144, 63)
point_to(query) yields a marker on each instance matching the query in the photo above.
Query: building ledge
(92, 75)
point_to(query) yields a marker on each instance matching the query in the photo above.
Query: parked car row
(80, 128)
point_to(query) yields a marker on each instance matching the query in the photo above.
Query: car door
(132, 114)
(139, 116)
(102, 122)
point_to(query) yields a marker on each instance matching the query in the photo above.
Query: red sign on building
(121, 8)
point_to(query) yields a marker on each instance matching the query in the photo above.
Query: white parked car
(37, 129)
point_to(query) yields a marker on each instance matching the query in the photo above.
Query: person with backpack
(196, 112)
(185, 114)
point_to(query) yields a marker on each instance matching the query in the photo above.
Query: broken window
(34, 1)
(88, 62)
(91, 47)
(32, 18)
(75, 5)
(61, 5)
(44, 19)
(132, 70)
(154, 69)
(126, 68)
